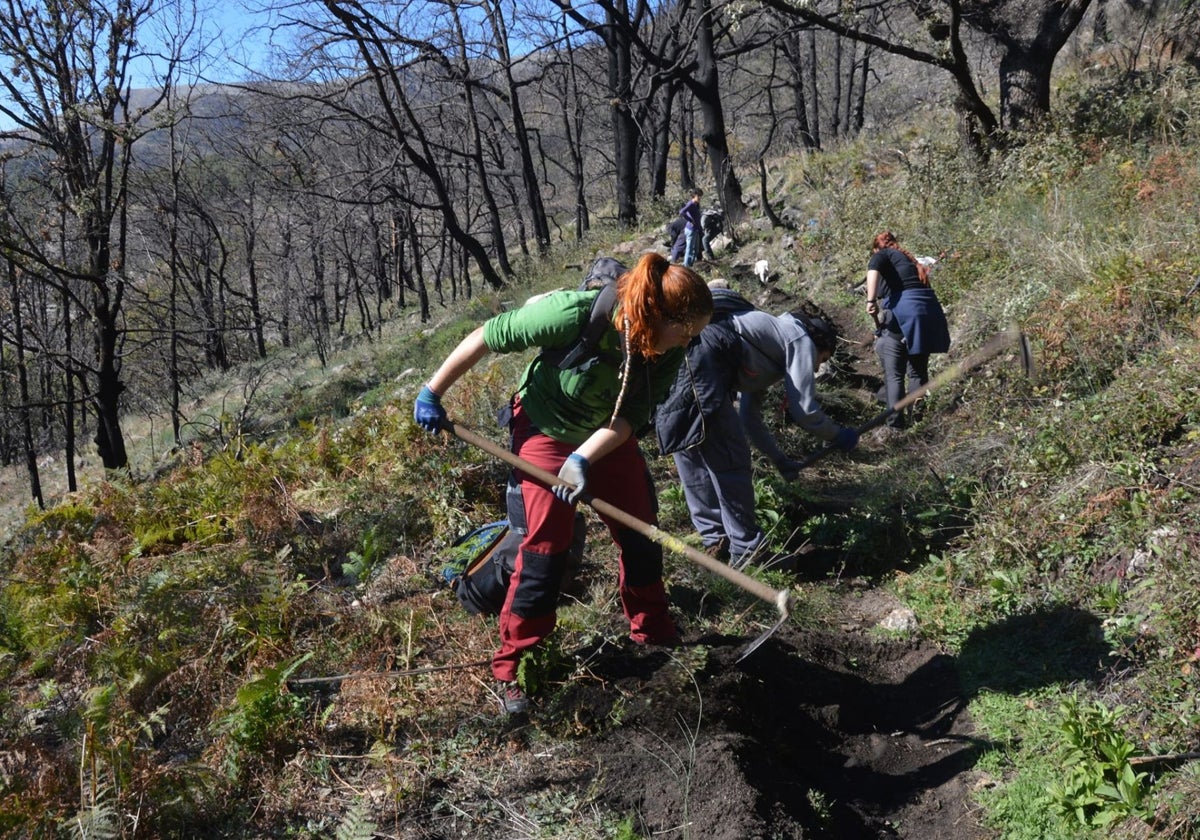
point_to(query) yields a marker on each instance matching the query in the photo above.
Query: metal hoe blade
(782, 602)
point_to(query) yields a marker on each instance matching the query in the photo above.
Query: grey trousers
(718, 484)
(899, 364)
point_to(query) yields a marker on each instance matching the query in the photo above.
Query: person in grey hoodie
(714, 413)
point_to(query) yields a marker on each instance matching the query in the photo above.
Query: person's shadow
(1053, 645)
(918, 727)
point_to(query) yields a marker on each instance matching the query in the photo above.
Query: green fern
(265, 709)
(360, 565)
(542, 665)
(356, 825)
(97, 821)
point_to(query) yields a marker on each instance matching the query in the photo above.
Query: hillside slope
(257, 641)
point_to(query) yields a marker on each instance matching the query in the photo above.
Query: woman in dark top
(909, 321)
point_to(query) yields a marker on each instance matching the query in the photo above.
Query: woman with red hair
(909, 321)
(581, 423)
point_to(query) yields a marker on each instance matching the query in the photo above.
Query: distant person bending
(742, 355)
(677, 238)
(580, 423)
(909, 321)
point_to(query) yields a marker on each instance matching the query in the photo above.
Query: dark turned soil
(837, 733)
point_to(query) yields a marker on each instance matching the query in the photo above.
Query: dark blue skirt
(922, 321)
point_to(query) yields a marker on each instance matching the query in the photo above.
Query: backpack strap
(586, 346)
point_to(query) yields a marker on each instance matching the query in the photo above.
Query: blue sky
(238, 37)
(235, 35)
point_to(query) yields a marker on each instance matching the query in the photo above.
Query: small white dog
(760, 268)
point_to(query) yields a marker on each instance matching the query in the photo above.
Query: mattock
(780, 599)
(993, 347)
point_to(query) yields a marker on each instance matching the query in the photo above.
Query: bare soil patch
(832, 733)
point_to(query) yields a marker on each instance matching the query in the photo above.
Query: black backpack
(480, 563)
(603, 275)
(727, 302)
(604, 271)
(712, 222)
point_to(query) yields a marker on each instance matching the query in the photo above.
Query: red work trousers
(620, 478)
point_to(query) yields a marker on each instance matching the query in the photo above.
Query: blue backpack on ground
(478, 570)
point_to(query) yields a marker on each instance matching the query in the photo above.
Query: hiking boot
(513, 701)
(740, 561)
(719, 550)
(665, 643)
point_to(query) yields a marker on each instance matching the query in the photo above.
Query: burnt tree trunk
(35, 482)
(708, 96)
(625, 129)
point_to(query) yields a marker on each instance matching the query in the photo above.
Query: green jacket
(568, 405)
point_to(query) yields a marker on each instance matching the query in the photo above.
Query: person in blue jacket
(715, 412)
(910, 324)
(692, 231)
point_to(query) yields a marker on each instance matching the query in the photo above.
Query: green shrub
(262, 720)
(1100, 786)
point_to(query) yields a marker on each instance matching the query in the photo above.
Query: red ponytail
(654, 291)
(887, 239)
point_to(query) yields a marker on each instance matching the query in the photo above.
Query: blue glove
(574, 472)
(428, 411)
(846, 439)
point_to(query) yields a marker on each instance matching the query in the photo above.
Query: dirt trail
(830, 733)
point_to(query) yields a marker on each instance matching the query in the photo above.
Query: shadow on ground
(1052, 645)
(842, 734)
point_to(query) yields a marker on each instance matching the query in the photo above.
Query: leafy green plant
(625, 830)
(542, 665)
(1101, 786)
(265, 710)
(361, 564)
(1020, 757)
(768, 508)
(821, 807)
(1005, 586)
